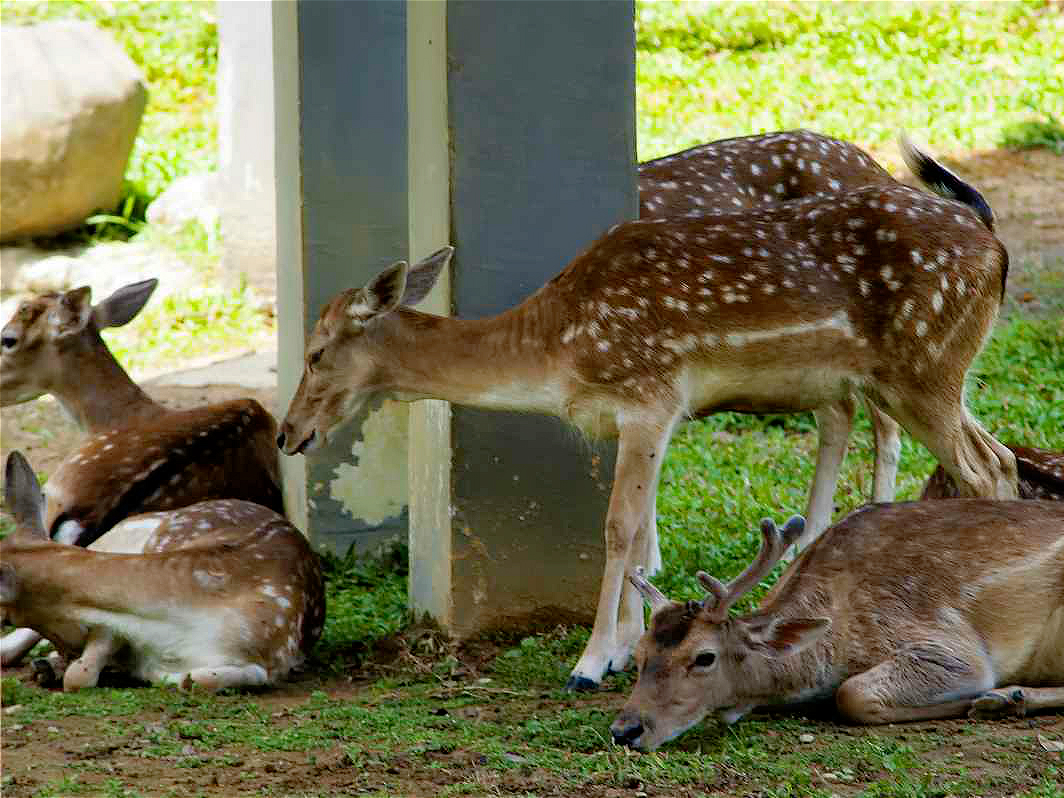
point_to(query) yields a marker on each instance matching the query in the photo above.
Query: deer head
(42, 344)
(350, 354)
(694, 659)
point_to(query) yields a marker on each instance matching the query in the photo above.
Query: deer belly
(776, 390)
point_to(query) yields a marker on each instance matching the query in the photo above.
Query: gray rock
(70, 105)
(188, 198)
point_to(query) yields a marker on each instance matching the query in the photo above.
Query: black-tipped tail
(943, 182)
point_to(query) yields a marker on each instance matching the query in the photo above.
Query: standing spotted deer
(139, 456)
(884, 292)
(901, 612)
(238, 607)
(752, 171)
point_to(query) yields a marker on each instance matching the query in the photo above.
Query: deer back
(220, 451)
(748, 171)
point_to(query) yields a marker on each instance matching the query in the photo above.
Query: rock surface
(70, 105)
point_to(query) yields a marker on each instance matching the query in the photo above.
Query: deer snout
(627, 728)
(289, 443)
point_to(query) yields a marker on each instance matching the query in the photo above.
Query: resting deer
(139, 456)
(903, 612)
(239, 608)
(1041, 476)
(751, 171)
(885, 292)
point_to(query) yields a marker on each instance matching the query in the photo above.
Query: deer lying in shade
(238, 608)
(139, 456)
(901, 611)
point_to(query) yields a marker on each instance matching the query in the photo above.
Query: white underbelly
(784, 389)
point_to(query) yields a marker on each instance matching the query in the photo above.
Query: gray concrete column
(342, 215)
(507, 511)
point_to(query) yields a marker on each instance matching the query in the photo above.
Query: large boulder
(71, 104)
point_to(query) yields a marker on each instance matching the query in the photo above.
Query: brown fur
(1041, 476)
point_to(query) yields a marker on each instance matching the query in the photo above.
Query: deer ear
(72, 312)
(125, 303)
(788, 636)
(22, 496)
(424, 274)
(382, 294)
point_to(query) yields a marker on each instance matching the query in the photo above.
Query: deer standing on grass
(139, 456)
(885, 292)
(752, 171)
(239, 607)
(903, 612)
(1041, 476)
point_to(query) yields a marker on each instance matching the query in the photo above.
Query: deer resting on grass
(139, 456)
(1041, 476)
(903, 612)
(239, 607)
(884, 292)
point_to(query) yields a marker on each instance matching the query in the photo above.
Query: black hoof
(581, 684)
(43, 672)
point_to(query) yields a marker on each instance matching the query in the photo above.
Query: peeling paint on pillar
(373, 486)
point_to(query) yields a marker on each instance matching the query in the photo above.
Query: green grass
(955, 75)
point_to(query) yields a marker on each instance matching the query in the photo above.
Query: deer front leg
(920, 682)
(641, 447)
(15, 645)
(1016, 700)
(833, 423)
(224, 676)
(100, 647)
(887, 435)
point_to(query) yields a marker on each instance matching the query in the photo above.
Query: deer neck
(499, 363)
(98, 393)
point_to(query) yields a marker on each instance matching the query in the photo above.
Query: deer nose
(280, 440)
(627, 729)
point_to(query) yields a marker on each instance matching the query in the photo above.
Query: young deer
(885, 292)
(1041, 476)
(194, 525)
(901, 611)
(751, 171)
(139, 456)
(240, 608)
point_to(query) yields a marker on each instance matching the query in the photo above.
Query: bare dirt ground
(1025, 189)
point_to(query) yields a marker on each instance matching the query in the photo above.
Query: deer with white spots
(752, 171)
(139, 456)
(885, 291)
(901, 612)
(224, 594)
(1041, 476)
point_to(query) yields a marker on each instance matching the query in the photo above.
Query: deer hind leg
(833, 423)
(1016, 700)
(979, 464)
(641, 447)
(100, 648)
(224, 676)
(920, 682)
(887, 435)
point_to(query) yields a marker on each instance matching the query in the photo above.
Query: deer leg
(225, 676)
(15, 645)
(1016, 700)
(920, 682)
(641, 447)
(100, 647)
(630, 619)
(887, 435)
(979, 465)
(833, 423)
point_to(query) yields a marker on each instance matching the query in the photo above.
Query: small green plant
(1030, 134)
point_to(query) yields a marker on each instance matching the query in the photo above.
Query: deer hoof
(43, 673)
(998, 704)
(581, 684)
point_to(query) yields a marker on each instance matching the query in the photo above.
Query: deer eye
(9, 340)
(705, 659)
(315, 357)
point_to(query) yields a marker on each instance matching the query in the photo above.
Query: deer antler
(774, 543)
(654, 598)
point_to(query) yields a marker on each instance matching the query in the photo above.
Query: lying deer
(885, 292)
(901, 611)
(1041, 476)
(139, 456)
(238, 608)
(752, 171)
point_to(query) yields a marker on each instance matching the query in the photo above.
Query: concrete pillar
(341, 149)
(246, 197)
(507, 511)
